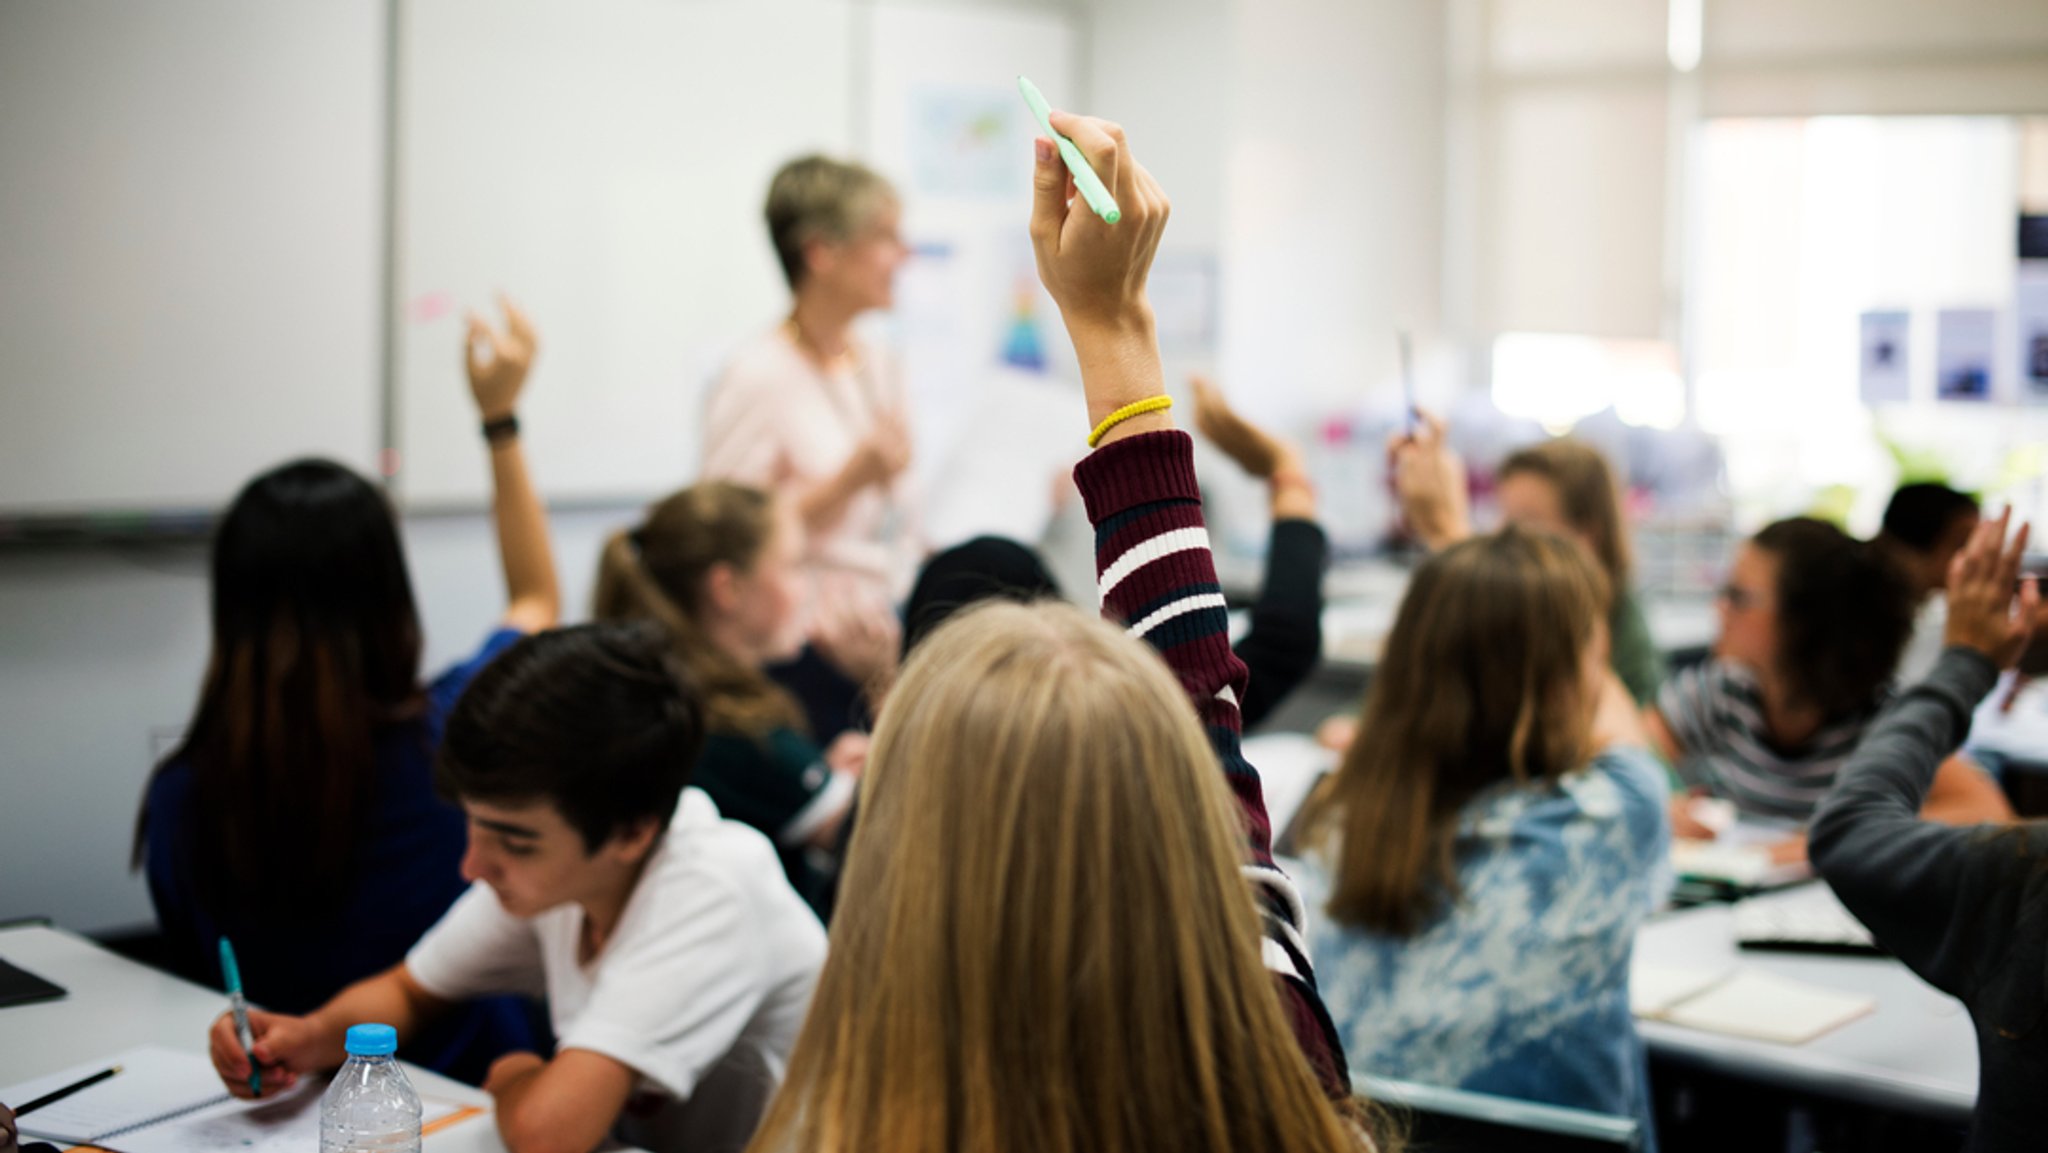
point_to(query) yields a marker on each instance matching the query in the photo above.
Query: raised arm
(1938, 896)
(1285, 639)
(498, 364)
(1152, 552)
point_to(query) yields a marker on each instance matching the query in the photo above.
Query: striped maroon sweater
(1157, 577)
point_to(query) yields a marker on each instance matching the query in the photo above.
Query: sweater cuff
(1137, 470)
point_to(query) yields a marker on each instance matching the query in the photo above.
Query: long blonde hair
(1044, 942)
(1482, 682)
(657, 570)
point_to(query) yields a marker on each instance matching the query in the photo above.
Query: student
(1488, 846)
(1925, 525)
(1048, 936)
(1563, 486)
(1963, 908)
(809, 412)
(676, 961)
(1812, 624)
(297, 817)
(717, 566)
(1285, 639)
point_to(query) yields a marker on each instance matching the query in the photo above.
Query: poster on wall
(2030, 314)
(1883, 378)
(1965, 347)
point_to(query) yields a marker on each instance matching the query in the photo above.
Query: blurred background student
(298, 816)
(814, 414)
(1812, 623)
(1925, 526)
(718, 565)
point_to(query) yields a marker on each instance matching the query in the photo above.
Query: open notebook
(164, 1101)
(1741, 1002)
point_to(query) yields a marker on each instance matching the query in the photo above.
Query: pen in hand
(232, 975)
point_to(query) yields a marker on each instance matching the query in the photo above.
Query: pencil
(52, 1098)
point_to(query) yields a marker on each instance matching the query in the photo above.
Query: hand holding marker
(1089, 184)
(231, 973)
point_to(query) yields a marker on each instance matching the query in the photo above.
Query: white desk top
(115, 1003)
(1917, 1053)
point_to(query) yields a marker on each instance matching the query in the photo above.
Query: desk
(1916, 1054)
(116, 1003)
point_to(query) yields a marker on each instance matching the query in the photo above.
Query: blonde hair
(657, 570)
(1588, 496)
(819, 198)
(1044, 941)
(1482, 681)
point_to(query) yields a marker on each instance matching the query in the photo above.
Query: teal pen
(232, 974)
(1091, 186)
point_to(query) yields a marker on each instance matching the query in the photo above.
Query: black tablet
(21, 987)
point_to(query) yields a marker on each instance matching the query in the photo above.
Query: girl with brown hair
(1060, 928)
(1490, 842)
(1561, 485)
(716, 566)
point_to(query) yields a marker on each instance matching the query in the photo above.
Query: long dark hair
(1481, 683)
(316, 645)
(1845, 613)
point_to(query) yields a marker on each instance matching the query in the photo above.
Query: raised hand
(499, 360)
(1256, 451)
(1429, 480)
(1983, 611)
(1096, 272)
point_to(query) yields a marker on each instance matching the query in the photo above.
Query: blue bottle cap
(371, 1041)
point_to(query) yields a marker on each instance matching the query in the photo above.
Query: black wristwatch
(502, 429)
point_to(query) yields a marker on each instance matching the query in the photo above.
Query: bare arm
(566, 1105)
(287, 1048)
(498, 363)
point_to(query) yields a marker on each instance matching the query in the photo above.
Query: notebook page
(153, 1083)
(1767, 1007)
(1654, 989)
(287, 1124)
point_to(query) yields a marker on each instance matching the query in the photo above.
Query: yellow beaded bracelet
(1135, 408)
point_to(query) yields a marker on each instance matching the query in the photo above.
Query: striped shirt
(1715, 712)
(1158, 578)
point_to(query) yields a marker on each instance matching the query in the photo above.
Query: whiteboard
(605, 164)
(190, 233)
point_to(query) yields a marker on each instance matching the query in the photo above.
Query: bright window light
(1558, 380)
(1683, 34)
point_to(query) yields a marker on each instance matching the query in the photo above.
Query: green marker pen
(1091, 186)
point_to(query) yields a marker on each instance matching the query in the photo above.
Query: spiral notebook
(154, 1086)
(164, 1101)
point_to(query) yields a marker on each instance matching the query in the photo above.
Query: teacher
(814, 415)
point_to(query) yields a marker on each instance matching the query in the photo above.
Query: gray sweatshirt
(1966, 908)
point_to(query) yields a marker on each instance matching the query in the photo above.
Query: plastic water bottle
(371, 1107)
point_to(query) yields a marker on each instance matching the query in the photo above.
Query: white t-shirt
(704, 983)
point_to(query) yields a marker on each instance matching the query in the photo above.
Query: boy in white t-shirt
(676, 960)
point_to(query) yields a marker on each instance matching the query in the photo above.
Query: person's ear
(631, 844)
(722, 589)
(820, 255)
